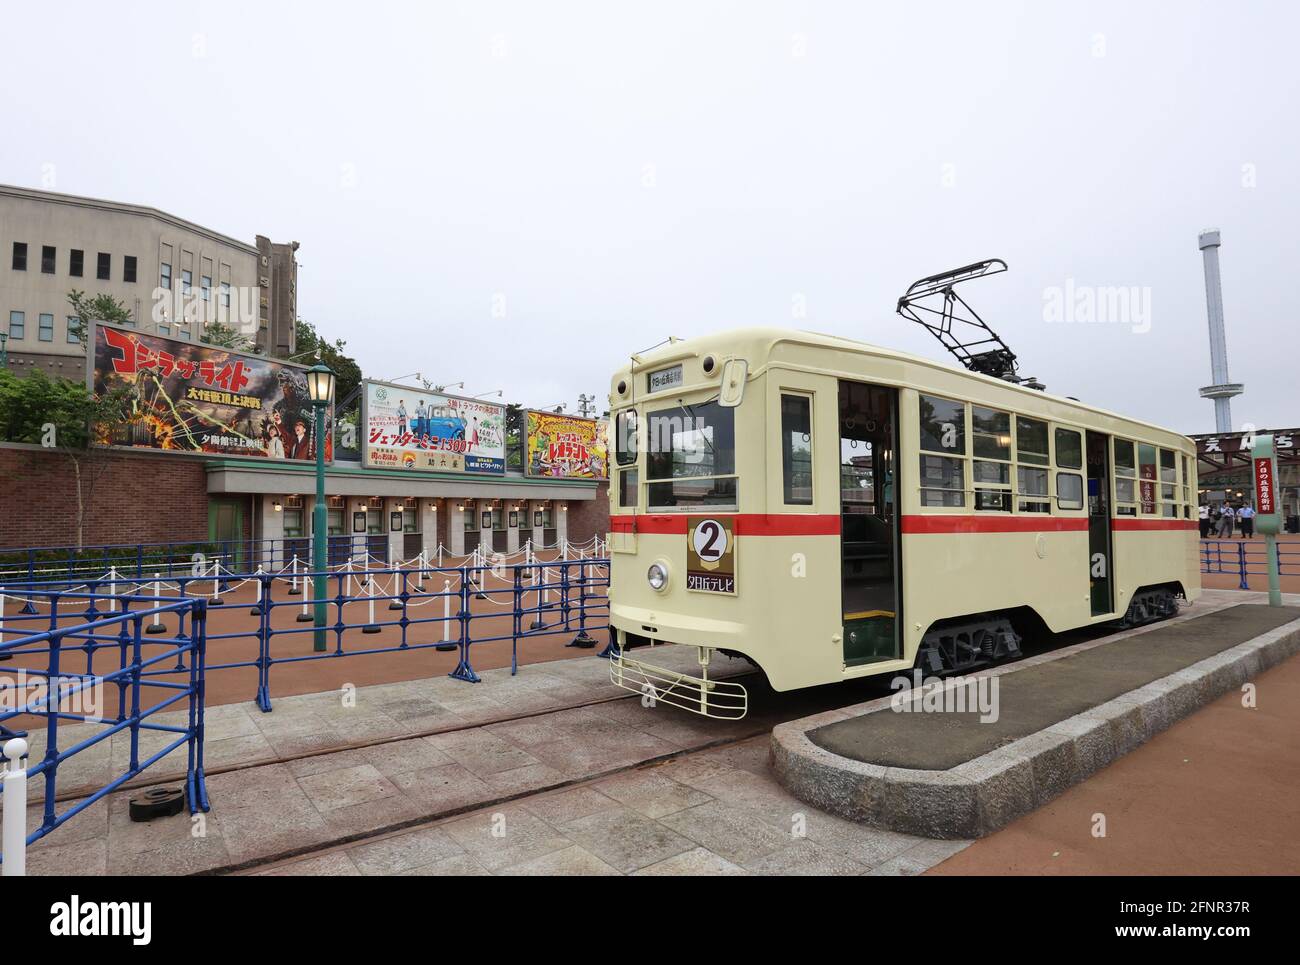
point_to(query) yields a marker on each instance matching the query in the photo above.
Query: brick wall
(138, 498)
(588, 517)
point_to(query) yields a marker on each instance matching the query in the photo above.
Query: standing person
(1225, 521)
(1205, 519)
(421, 421)
(1246, 516)
(401, 417)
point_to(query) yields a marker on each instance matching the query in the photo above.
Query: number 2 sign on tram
(710, 555)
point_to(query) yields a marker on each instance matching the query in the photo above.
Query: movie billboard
(408, 428)
(198, 398)
(566, 447)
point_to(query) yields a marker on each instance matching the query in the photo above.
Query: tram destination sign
(664, 379)
(710, 555)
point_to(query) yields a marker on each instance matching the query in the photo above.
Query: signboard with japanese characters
(1265, 492)
(710, 555)
(406, 428)
(197, 398)
(566, 447)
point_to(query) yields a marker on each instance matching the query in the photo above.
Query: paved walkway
(716, 812)
(1213, 795)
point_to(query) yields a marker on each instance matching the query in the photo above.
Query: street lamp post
(320, 388)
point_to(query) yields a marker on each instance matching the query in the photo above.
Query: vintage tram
(831, 510)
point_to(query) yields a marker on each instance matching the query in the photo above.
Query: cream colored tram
(831, 510)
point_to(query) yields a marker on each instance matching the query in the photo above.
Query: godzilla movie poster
(191, 397)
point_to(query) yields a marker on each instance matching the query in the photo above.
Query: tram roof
(760, 345)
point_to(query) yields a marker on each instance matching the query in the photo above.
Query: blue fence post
(464, 671)
(516, 619)
(583, 640)
(196, 785)
(1241, 555)
(264, 631)
(51, 731)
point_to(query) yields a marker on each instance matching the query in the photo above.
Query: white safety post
(2, 614)
(257, 600)
(370, 592)
(112, 589)
(439, 556)
(15, 809)
(157, 598)
(294, 582)
(446, 610)
(306, 598)
(216, 578)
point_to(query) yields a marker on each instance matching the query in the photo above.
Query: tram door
(1099, 548)
(869, 544)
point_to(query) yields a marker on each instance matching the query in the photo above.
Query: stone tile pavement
(713, 812)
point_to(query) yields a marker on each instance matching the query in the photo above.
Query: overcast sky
(608, 174)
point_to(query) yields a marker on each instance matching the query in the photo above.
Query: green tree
(65, 417)
(105, 308)
(226, 336)
(347, 373)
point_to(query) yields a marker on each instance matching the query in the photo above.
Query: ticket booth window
(293, 524)
(334, 522)
(408, 521)
(374, 522)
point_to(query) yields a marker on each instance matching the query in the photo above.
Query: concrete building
(155, 263)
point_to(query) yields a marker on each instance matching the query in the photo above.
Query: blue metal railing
(41, 692)
(1245, 558)
(413, 608)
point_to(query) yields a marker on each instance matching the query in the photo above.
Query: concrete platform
(1060, 718)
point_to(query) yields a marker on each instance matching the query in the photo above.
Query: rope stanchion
(305, 616)
(156, 625)
(371, 626)
(294, 588)
(446, 618)
(256, 611)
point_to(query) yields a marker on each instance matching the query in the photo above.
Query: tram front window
(691, 457)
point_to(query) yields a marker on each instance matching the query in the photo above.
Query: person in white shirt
(1205, 520)
(1246, 516)
(1225, 521)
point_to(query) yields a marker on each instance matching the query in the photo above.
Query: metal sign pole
(1268, 511)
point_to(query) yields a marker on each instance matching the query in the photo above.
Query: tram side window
(1125, 479)
(1187, 490)
(1168, 484)
(625, 442)
(991, 469)
(627, 481)
(796, 450)
(1069, 490)
(1147, 479)
(943, 430)
(691, 457)
(1069, 449)
(1031, 454)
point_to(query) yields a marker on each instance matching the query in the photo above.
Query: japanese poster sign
(406, 428)
(192, 397)
(561, 446)
(710, 555)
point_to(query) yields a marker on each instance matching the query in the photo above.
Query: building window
(103, 266)
(187, 280)
(293, 523)
(74, 323)
(47, 259)
(205, 285)
(165, 275)
(164, 328)
(796, 450)
(17, 324)
(77, 263)
(128, 268)
(225, 294)
(45, 330)
(20, 256)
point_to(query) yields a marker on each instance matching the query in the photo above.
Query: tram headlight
(657, 575)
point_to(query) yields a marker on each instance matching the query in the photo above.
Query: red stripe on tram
(743, 524)
(992, 524)
(1152, 524)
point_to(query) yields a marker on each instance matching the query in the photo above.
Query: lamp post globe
(320, 389)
